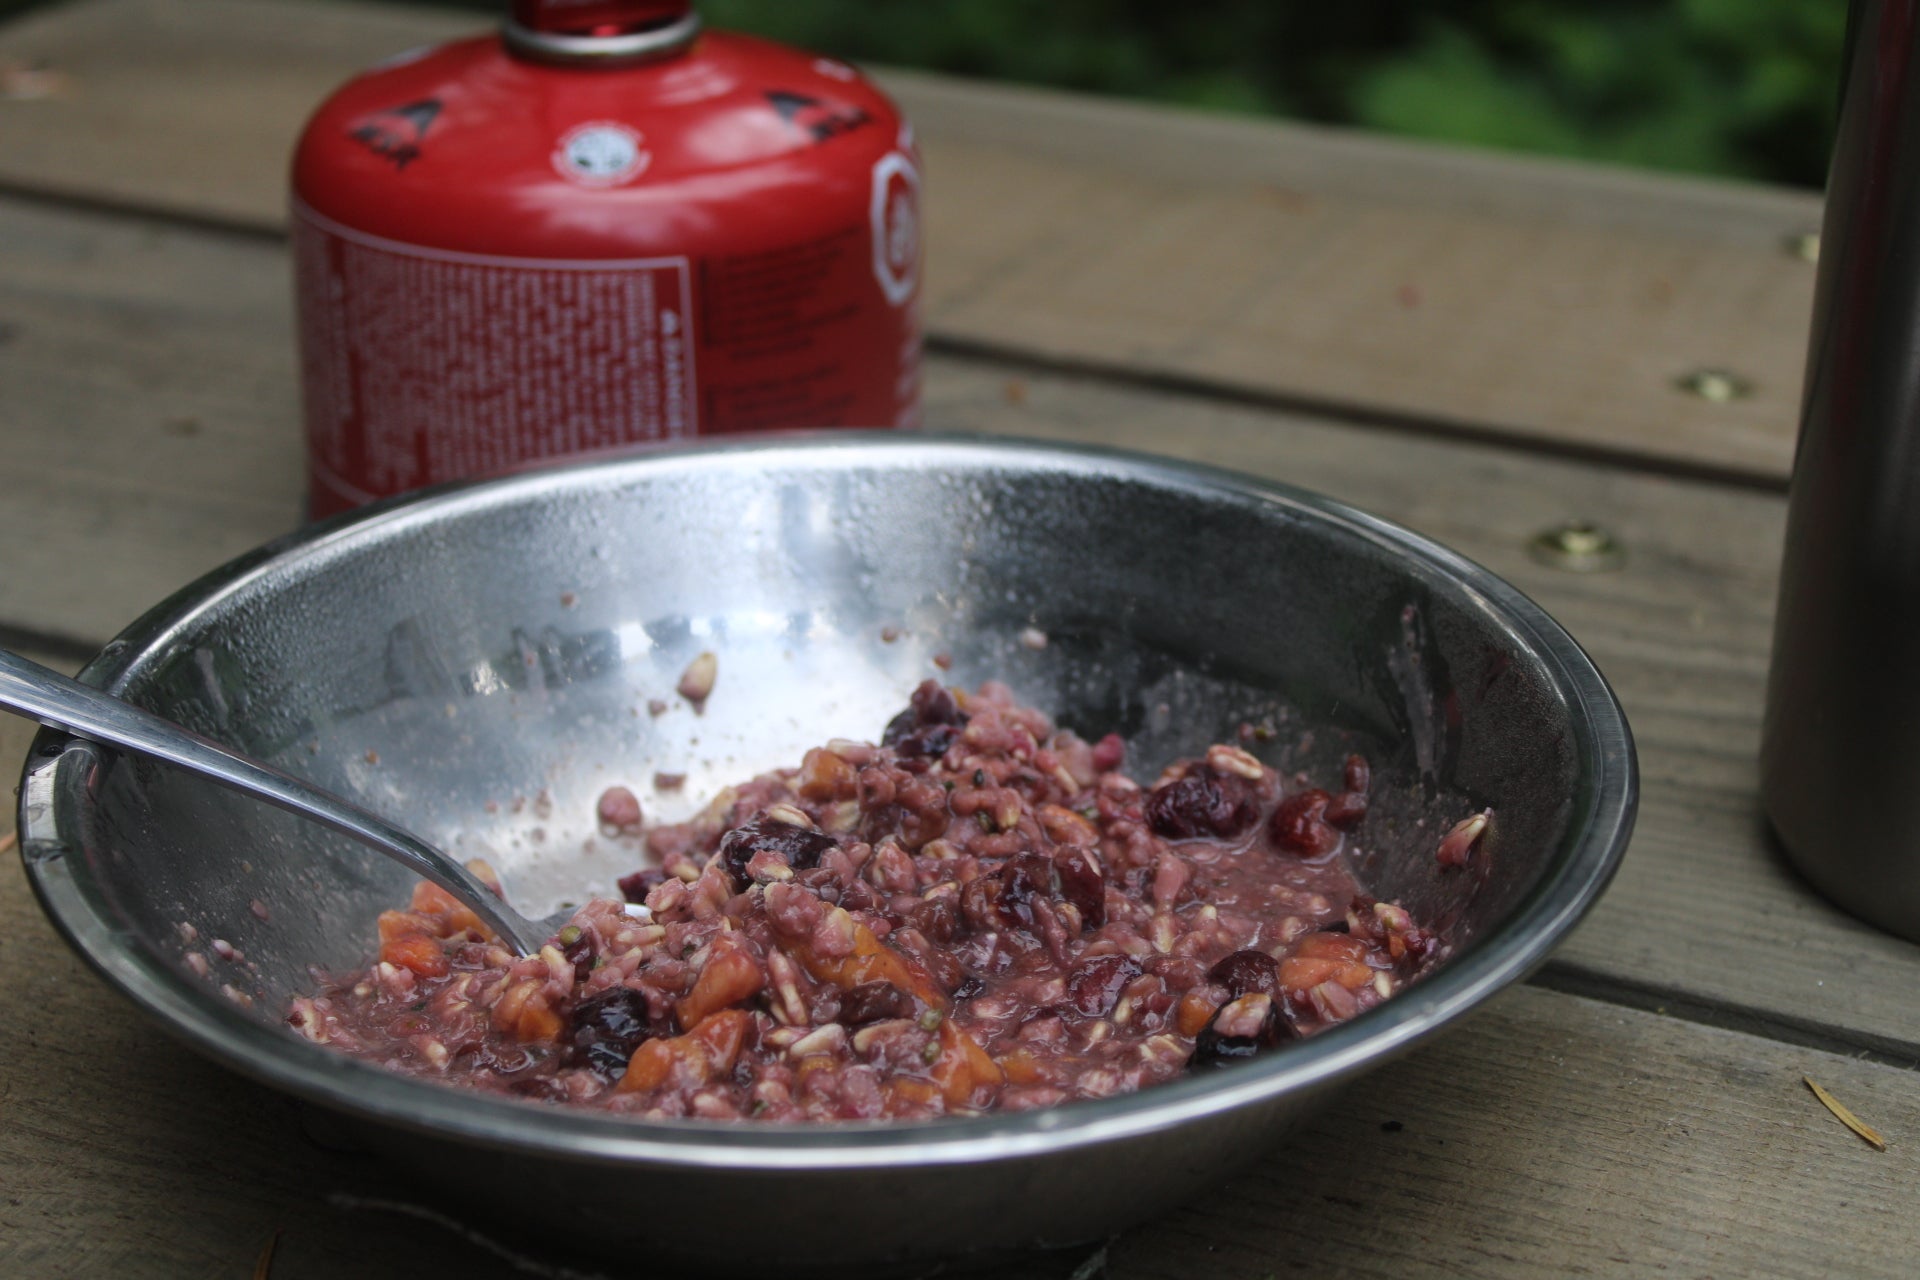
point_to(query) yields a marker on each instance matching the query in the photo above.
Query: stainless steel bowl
(478, 662)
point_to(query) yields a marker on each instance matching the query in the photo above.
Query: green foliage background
(1739, 87)
(1736, 87)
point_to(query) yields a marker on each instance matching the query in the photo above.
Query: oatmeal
(981, 911)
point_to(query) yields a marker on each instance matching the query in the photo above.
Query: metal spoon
(31, 690)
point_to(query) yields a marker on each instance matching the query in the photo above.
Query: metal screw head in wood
(1719, 386)
(1578, 547)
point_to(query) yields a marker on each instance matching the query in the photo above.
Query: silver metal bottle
(1840, 755)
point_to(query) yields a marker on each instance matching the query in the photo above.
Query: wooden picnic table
(1479, 347)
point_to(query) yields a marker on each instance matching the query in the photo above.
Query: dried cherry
(636, 887)
(1247, 972)
(875, 1002)
(799, 847)
(1239, 1029)
(1300, 825)
(938, 917)
(579, 953)
(930, 724)
(610, 1026)
(1094, 986)
(1083, 885)
(1203, 803)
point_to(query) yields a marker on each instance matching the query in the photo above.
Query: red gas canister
(600, 226)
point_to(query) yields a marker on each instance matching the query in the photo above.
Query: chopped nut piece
(1457, 843)
(825, 1039)
(791, 816)
(1225, 759)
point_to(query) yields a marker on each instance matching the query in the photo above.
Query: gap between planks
(1574, 979)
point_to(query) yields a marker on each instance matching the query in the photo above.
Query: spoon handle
(31, 690)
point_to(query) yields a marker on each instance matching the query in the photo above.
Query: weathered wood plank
(1651, 1147)
(1532, 300)
(1702, 909)
(151, 397)
(189, 106)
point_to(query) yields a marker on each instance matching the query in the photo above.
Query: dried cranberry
(1350, 806)
(941, 965)
(1299, 825)
(929, 725)
(930, 741)
(898, 727)
(934, 703)
(580, 954)
(875, 1002)
(1212, 1048)
(1094, 986)
(605, 1058)
(1203, 803)
(636, 887)
(1082, 884)
(938, 917)
(1023, 877)
(1346, 810)
(969, 987)
(800, 848)
(1003, 898)
(610, 1026)
(1247, 973)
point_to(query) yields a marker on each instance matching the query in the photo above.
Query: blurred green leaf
(1742, 87)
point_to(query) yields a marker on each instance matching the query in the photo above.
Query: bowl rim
(53, 782)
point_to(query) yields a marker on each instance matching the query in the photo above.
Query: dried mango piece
(871, 960)
(966, 1076)
(732, 974)
(690, 1060)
